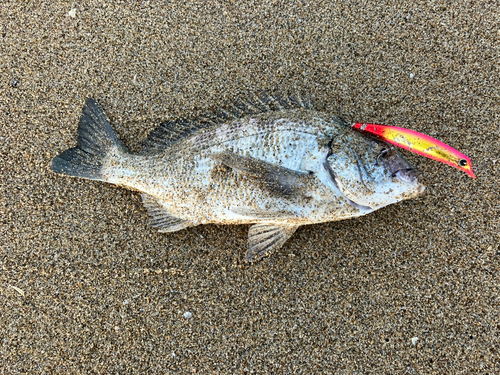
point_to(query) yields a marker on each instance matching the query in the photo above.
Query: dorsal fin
(170, 132)
(167, 133)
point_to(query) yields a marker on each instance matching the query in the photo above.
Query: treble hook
(483, 165)
(382, 153)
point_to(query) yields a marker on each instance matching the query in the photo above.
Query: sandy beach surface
(87, 287)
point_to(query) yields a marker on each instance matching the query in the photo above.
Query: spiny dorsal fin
(264, 239)
(161, 218)
(170, 132)
(167, 133)
(278, 179)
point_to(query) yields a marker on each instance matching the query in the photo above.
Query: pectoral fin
(264, 239)
(278, 179)
(161, 218)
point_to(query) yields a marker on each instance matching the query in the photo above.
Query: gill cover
(366, 179)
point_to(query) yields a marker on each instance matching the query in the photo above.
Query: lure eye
(462, 162)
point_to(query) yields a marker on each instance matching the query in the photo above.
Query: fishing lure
(418, 143)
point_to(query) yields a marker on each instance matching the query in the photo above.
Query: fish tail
(96, 141)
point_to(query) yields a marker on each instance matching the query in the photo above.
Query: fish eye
(462, 162)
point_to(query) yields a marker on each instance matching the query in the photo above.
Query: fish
(270, 162)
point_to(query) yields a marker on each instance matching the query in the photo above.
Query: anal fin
(264, 239)
(161, 218)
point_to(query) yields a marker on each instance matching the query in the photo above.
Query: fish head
(371, 173)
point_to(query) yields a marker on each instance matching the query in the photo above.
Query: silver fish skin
(276, 170)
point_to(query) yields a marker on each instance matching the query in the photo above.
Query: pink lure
(418, 143)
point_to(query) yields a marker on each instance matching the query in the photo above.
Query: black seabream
(270, 162)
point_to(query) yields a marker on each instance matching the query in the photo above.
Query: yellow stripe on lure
(418, 143)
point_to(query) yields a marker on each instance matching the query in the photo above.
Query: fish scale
(276, 170)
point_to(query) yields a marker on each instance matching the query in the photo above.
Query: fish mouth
(406, 175)
(410, 176)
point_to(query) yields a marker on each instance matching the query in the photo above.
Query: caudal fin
(96, 139)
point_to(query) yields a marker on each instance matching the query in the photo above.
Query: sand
(87, 287)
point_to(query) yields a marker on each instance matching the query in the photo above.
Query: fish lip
(410, 176)
(406, 175)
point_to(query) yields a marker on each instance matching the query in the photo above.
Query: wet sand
(87, 287)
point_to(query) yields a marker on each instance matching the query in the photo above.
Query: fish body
(276, 170)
